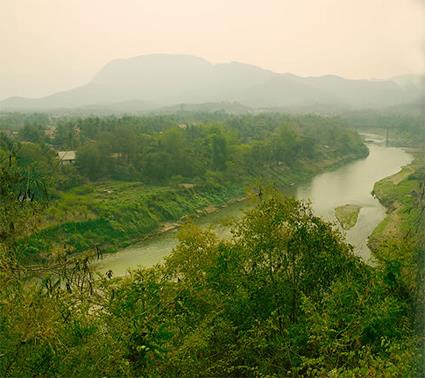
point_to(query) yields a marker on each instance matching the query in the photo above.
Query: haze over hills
(152, 82)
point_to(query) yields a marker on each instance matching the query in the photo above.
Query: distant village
(65, 157)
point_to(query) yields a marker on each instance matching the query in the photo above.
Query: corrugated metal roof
(66, 155)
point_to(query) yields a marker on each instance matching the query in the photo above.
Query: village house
(66, 157)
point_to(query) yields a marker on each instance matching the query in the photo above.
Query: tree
(219, 151)
(33, 133)
(93, 161)
(251, 289)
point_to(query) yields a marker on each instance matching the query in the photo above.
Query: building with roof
(66, 157)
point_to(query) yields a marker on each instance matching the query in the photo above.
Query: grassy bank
(113, 215)
(398, 193)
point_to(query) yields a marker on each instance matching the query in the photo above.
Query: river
(349, 184)
(153, 251)
(353, 184)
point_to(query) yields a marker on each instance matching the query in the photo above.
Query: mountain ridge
(165, 80)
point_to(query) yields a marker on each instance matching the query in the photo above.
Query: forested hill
(151, 82)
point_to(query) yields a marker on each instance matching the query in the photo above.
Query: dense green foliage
(284, 297)
(156, 148)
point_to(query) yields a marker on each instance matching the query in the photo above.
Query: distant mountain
(150, 82)
(410, 81)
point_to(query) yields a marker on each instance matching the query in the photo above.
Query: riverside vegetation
(132, 174)
(398, 243)
(285, 296)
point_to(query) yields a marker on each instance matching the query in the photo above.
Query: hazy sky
(50, 45)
